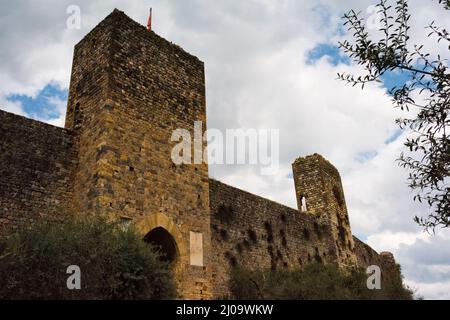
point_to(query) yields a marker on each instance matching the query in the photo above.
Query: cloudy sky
(269, 64)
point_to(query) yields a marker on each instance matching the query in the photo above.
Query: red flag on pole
(149, 22)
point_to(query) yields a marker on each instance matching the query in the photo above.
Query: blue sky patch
(393, 137)
(395, 79)
(364, 156)
(324, 49)
(42, 106)
(391, 79)
(362, 237)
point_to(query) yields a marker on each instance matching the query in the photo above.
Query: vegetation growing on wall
(252, 236)
(306, 234)
(114, 263)
(225, 214)
(269, 231)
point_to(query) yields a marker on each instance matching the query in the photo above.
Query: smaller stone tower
(319, 192)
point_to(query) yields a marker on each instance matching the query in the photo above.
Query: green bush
(114, 263)
(314, 282)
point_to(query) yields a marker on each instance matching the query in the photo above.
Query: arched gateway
(160, 230)
(163, 240)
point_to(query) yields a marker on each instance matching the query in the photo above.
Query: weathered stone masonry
(253, 232)
(36, 165)
(129, 90)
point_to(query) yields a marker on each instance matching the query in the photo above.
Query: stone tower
(319, 192)
(129, 90)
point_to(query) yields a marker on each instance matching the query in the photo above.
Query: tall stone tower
(319, 192)
(130, 89)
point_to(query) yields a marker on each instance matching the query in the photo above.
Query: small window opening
(303, 206)
(76, 120)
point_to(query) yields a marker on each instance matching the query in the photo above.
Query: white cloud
(13, 107)
(433, 291)
(392, 241)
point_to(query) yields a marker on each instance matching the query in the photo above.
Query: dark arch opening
(76, 116)
(163, 240)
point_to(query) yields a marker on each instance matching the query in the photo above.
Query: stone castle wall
(253, 232)
(256, 233)
(37, 161)
(366, 256)
(129, 90)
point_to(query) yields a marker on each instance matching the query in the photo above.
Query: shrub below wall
(114, 263)
(314, 282)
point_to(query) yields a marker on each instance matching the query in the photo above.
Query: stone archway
(163, 240)
(161, 230)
